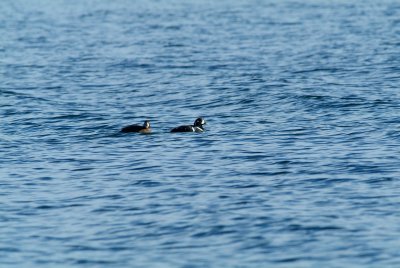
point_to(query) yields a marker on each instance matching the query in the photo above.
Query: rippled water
(299, 166)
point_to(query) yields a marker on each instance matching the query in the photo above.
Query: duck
(145, 128)
(196, 127)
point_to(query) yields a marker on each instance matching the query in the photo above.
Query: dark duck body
(196, 127)
(145, 128)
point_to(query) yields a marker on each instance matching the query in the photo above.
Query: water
(299, 166)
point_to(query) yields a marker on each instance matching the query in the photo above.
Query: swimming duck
(138, 128)
(196, 127)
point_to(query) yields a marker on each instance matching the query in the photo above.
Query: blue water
(299, 166)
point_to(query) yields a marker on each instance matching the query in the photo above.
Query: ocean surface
(299, 165)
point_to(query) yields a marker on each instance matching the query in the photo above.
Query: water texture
(299, 166)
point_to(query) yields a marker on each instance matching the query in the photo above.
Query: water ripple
(298, 165)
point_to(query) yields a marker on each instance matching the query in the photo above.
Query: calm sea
(299, 166)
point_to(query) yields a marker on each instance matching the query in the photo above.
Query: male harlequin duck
(138, 128)
(197, 126)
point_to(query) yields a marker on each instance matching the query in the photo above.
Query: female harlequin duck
(138, 128)
(197, 127)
